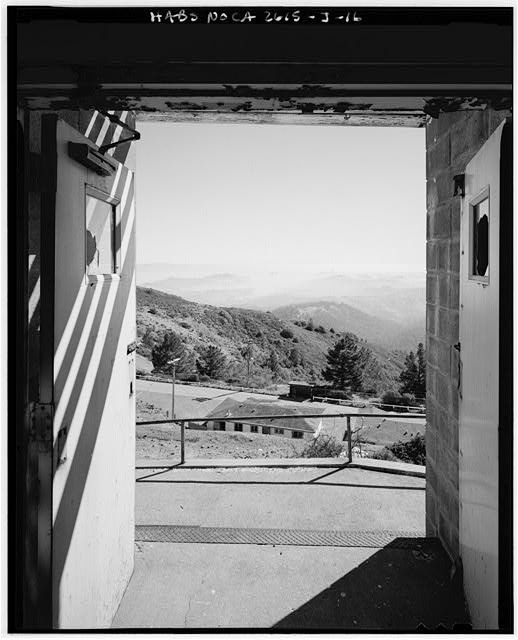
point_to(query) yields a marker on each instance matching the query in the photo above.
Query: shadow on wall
(406, 586)
(93, 396)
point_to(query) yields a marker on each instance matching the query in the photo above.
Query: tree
(294, 357)
(170, 348)
(421, 371)
(273, 363)
(212, 362)
(374, 377)
(408, 377)
(345, 362)
(413, 376)
(248, 354)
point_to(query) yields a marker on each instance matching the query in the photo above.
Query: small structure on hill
(301, 390)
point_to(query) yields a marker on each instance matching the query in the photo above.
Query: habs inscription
(262, 16)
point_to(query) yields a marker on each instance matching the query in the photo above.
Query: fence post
(349, 439)
(182, 443)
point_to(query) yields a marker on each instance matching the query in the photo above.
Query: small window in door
(479, 237)
(102, 233)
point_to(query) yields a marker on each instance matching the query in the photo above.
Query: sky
(254, 196)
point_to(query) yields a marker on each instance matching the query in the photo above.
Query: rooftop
(231, 409)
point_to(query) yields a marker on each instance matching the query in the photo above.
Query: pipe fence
(255, 418)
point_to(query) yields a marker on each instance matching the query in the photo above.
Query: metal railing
(254, 418)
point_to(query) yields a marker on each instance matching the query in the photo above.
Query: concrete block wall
(451, 141)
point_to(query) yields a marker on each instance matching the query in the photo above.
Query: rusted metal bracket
(113, 118)
(40, 429)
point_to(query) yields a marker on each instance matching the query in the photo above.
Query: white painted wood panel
(478, 434)
(94, 425)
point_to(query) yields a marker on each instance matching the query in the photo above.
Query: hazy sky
(269, 194)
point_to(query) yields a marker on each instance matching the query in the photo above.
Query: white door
(94, 421)
(479, 387)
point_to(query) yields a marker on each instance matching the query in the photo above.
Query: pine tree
(413, 376)
(212, 362)
(345, 361)
(170, 348)
(421, 371)
(409, 376)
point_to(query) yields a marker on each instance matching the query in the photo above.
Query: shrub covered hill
(257, 346)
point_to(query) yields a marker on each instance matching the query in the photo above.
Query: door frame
(428, 98)
(506, 385)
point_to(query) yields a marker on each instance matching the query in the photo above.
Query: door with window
(93, 376)
(481, 419)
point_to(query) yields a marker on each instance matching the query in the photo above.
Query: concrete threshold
(368, 464)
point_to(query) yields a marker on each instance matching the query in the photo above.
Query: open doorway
(276, 245)
(273, 247)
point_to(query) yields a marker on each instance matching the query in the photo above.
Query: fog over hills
(385, 306)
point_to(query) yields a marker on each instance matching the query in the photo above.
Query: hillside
(378, 328)
(301, 354)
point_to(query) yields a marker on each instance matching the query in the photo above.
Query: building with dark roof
(235, 415)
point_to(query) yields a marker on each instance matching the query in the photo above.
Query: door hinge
(40, 426)
(459, 185)
(457, 348)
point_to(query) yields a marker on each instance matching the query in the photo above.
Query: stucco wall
(451, 141)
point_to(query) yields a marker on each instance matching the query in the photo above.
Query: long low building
(227, 417)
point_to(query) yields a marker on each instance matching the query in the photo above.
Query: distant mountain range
(385, 307)
(380, 329)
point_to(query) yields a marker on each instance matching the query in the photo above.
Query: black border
(16, 294)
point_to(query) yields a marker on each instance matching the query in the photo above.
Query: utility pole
(248, 352)
(173, 363)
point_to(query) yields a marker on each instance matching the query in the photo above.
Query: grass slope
(301, 355)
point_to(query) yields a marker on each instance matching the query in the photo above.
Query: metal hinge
(40, 425)
(457, 348)
(459, 185)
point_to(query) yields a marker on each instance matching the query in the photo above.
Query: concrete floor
(281, 498)
(184, 585)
